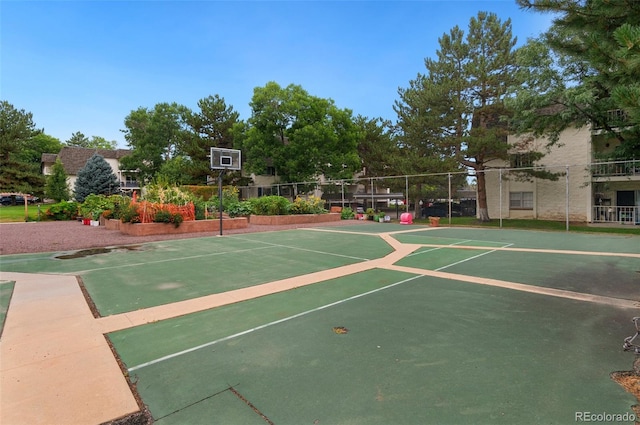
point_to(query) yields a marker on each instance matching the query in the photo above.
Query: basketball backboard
(226, 159)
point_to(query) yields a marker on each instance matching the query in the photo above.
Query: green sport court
(367, 324)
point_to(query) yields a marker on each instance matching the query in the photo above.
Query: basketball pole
(220, 197)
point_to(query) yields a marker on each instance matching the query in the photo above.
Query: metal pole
(450, 200)
(406, 187)
(567, 196)
(342, 186)
(372, 194)
(500, 202)
(220, 198)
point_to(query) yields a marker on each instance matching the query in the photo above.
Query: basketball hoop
(223, 160)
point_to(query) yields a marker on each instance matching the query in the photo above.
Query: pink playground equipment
(406, 218)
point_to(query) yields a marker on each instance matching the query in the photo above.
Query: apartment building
(588, 188)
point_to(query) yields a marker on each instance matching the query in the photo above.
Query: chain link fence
(600, 192)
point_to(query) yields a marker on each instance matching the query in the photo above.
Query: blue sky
(85, 65)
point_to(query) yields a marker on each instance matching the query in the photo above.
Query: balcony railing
(616, 168)
(615, 118)
(621, 215)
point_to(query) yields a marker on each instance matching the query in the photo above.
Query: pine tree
(453, 115)
(96, 178)
(598, 42)
(57, 187)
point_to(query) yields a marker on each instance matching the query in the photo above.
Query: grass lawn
(535, 225)
(16, 213)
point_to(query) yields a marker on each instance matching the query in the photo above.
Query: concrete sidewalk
(55, 365)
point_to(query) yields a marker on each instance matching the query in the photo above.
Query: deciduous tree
(301, 135)
(154, 135)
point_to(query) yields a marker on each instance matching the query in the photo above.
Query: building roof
(75, 158)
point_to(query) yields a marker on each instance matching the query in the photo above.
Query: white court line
(471, 258)
(270, 245)
(166, 260)
(266, 325)
(435, 249)
(305, 249)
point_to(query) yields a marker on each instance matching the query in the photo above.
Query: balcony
(618, 215)
(615, 118)
(129, 185)
(608, 169)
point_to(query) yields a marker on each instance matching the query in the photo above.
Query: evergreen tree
(17, 130)
(96, 178)
(78, 139)
(452, 117)
(210, 127)
(57, 187)
(598, 47)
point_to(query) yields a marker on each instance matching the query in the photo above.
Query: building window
(521, 160)
(521, 200)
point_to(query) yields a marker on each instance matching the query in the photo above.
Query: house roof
(75, 158)
(49, 158)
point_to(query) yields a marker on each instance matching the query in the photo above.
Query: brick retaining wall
(275, 220)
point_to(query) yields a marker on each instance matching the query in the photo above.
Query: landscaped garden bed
(275, 220)
(195, 226)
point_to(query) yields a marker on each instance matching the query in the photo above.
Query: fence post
(500, 200)
(567, 196)
(406, 188)
(450, 200)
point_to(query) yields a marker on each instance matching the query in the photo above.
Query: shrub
(176, 219)
(164, 216)
(204, 192)
(130, 214)
(270, 205)
(311, 205)
(63, 211)
(94, 205)
(161, 191)
(119, 203)
(347, 213)
(229, 197)
(239, 209)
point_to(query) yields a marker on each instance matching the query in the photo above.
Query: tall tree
(155, 136)
(452, 115)
(210, 127)
(17, 129)
(33, 148)
(78, 139)
(95, 142)
(597, 48)
(301, 135)
(57, 187)
(99, 142)
(96, 178)
(377, 148)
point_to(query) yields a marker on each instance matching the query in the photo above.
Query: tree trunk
(483, 211)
